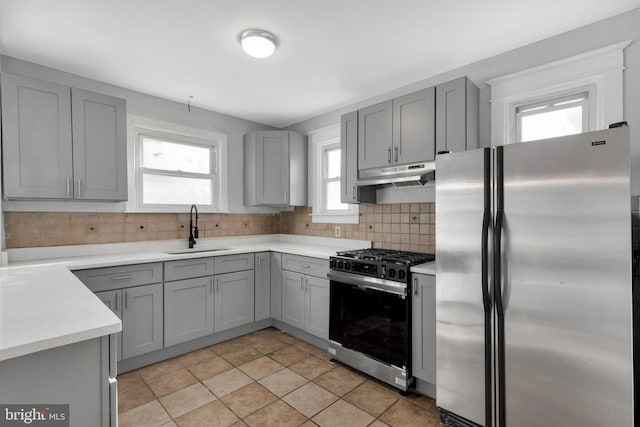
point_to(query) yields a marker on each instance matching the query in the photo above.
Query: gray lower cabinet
(424, 327)
(293, 298)
(305, 302)
(457, 115)
(317, 306)
(276, 285)
(113, 300)
(275, 168)
(262, 285)
(188, 310)
(142, 322)
(62, 143)
(234, 299)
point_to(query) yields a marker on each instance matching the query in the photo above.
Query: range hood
(399, 176)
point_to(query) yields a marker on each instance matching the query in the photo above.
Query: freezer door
(460, 312)
(566, 256)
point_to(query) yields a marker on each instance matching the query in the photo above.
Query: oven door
(370, 316)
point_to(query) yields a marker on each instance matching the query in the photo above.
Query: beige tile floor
(267, 378)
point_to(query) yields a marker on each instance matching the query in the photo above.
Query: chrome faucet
(193, 231)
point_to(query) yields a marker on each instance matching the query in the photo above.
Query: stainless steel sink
(194, 250)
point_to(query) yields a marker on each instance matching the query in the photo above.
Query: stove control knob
(340, 264)
(391, 272)
(401, 274)
(347, 265)
(333, 263)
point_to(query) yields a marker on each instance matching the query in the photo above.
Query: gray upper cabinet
(62, 143)
(99, 146)
(234, 299)
(375, 124)
(262, 285)
(142, 320)
(457, 115)
(424, 327)
(36, 139)
(349, 191)
(398, 131)
(414, 127)
(275, 168)
(188, 310)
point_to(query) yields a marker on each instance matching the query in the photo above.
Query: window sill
(337, 219)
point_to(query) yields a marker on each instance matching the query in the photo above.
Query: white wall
(599, 34)
(148, 106)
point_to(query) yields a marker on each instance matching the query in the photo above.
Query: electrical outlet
(338, 231)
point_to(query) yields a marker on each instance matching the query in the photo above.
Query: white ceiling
(331, 53)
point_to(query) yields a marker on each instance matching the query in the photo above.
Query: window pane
(175, 190)
(333, 163)
(333, 197)
(567, 121)
(173, 156)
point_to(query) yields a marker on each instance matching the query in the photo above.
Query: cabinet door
(272, 167)
(188, 310)
(276, 285)
(424, 327)
(349, 191)
(374, 135)
(142, 320)
(451, 117)
(414, 127)
(262, 285)
(234, 300)
(317, 306)
(99, 146)
(36, 139)
(113, 300)
(293, 299)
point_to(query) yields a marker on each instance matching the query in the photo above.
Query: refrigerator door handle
(486, 293)
(497, 286)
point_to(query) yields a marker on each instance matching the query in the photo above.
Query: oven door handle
(364, 282)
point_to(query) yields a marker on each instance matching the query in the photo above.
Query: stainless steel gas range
(370, 313)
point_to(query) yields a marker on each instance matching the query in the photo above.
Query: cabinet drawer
(313, 266)
(188, 268)
(125, 276)
(230, 263)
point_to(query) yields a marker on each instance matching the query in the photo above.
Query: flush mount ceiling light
(258, 43)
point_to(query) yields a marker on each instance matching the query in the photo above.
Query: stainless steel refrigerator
(533, 284)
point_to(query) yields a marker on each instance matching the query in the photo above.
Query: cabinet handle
(116, 304)
(218, 284)
(122, 277)
(415, 286)
(304, 266)
(211, 286)
(68, 187)
(395, 154)
(353, 193)
(259, 261)
(302, 283)
(285, 196)
(126, 299)
(79, 186)
(388, 154)
(306, 284)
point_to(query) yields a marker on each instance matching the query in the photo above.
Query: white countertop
(43, 305)
(426, 268)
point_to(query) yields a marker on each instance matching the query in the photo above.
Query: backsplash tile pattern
(405, 226)
(31, 229)
(394, 226)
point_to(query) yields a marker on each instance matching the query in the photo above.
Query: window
(325, 170)
(177, 167)
(576, 94)
(553, 117)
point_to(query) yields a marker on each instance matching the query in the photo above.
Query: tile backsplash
(394, 226)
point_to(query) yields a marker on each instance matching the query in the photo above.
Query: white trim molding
(318, 140)
(598, 72)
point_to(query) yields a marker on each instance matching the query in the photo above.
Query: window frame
(216, 142)
(321, 141)
(549, 104)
